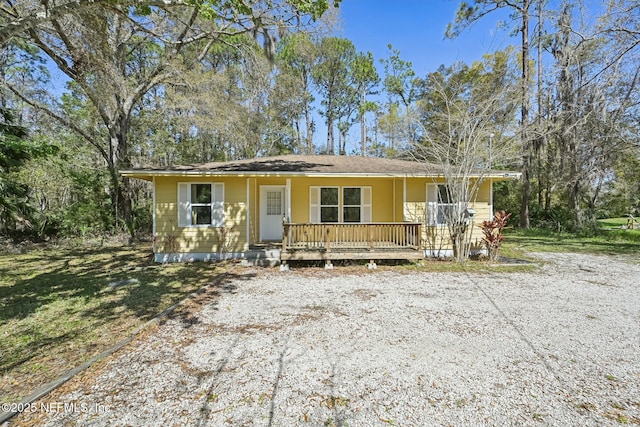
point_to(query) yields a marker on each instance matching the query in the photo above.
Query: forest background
(88, 88)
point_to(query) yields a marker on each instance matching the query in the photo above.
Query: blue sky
(416, 28)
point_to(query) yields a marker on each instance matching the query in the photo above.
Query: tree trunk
(524, 121)
(342, 141)
(363, 128)
(119, 159)
(330, 136)
(540, 137)
(296, 125)
(309, 124)
(574, 183)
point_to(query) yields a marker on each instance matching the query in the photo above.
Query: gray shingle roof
(305, 165)
(300, 165)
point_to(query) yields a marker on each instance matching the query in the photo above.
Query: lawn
(59, 306)
(618, 223)
(603, 242)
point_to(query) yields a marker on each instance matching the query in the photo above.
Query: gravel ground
(558, 346)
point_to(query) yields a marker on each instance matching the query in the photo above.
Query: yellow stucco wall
(387, 206)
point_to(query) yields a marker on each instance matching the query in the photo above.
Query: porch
(369, 241)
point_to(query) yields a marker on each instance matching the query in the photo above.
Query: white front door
(272, 209)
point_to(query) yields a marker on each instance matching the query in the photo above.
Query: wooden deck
(352, 241)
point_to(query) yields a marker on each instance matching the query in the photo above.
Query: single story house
(305, 207)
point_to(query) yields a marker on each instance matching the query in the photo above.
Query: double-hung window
(329, 206)
(200, 204)
(339, 204)
(352, 204)
(439, 204)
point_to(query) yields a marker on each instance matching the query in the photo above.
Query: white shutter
(432, 204)
(314, 205)
(217, 209)
(366, 204)
(184, 205)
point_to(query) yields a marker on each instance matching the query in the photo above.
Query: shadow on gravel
(209, 297)
(211, 396)
(276, 383)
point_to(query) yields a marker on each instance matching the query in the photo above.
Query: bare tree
(467, 15)
(470, 128)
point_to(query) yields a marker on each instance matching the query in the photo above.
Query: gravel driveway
(558, 346)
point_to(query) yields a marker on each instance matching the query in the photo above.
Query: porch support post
(248, 206)
(404, 198)
(395, 205)
(285, 235)
(491, 198)
(153, 214)
(288, 197)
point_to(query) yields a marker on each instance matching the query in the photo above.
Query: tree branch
(59, 118)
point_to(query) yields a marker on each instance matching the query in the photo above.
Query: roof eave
(149, 174)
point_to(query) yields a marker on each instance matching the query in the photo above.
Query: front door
(272, 210)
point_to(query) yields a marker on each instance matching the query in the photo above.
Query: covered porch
(368, 241)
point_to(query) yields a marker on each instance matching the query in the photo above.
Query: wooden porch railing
(352, 236)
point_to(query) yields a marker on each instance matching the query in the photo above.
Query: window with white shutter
(339, 204)
(201, 204)
(439, 204)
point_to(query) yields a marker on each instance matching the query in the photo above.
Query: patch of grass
(471, 266)
(603, 242)
(616, 223)
(58, 310)
(622, 419)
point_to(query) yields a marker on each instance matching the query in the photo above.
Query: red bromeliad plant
(492, 231)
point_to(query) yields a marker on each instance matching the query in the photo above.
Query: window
(200, 204)
(439, 204)
(339, 204)
(329, 208)
(274, 203)
(351, 204)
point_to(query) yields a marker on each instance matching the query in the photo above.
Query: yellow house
(305, 207)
